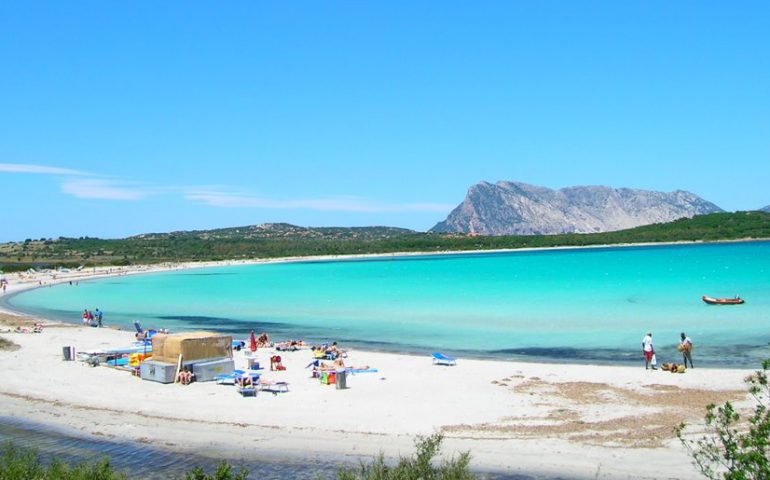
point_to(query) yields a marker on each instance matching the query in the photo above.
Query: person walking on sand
(685, 346)
(647, 350)
(99, 316)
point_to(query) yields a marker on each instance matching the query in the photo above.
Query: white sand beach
(572, 421)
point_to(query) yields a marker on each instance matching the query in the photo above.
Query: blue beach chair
(441, 359)
(229, 378)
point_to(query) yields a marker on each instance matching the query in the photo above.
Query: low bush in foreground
(420, 466)
(18, 463)
(732, 449)
(6, 344)
(224, 472)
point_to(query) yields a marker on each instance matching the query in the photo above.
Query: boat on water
(723, 301)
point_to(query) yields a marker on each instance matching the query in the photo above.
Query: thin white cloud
(339, 204)
(86, 185)
(40, 169)
(92, 188)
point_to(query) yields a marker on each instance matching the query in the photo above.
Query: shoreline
(518, 418)
(25, 281)
(22, 281)
(28, 281)
(551, 420)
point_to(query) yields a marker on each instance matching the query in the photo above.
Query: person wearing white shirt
(648, 350)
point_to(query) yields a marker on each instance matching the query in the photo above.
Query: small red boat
(722, 301)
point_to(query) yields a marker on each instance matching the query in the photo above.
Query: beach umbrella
(252, 342)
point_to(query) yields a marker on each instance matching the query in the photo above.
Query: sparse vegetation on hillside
(283, 240)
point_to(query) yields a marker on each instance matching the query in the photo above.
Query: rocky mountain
(514, 208)
(765, 209)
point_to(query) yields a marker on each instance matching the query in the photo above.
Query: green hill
(284, 240)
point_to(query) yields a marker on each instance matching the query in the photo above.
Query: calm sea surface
(580, 305)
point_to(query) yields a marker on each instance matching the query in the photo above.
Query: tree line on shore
(283, 240)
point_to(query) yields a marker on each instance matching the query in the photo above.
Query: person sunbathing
(244, 381)
(289, 345)
(338, 364)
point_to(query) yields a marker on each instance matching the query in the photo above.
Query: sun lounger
(274, 387)
(355, 370)
(229, 378)
(441, 359)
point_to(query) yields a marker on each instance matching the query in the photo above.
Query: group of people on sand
(328, 352)
(290, 345)
(36, 328)
(648, 350)
(92, 319)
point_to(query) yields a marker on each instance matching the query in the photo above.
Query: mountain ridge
(518, 208)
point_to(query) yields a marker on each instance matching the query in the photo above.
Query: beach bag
(654, 361)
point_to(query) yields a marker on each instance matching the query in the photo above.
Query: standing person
(685, 346)
(98, 315)
(85, 317)
(648, 350)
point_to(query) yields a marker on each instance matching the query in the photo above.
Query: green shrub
(224, 472)
(19, 463)
(420, 466)
(731, 449)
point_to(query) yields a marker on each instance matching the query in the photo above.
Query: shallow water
(576, 305)
(145, 462)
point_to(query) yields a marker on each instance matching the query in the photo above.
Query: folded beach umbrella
(252, 342)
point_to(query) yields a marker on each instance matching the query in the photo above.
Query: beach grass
(420, 465)
(7, 345)
(16, 462)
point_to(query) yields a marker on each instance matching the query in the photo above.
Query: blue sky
(121, 118)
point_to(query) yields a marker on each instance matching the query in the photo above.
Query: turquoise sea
(576, 305)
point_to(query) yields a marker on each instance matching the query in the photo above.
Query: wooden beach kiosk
(207, 354)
